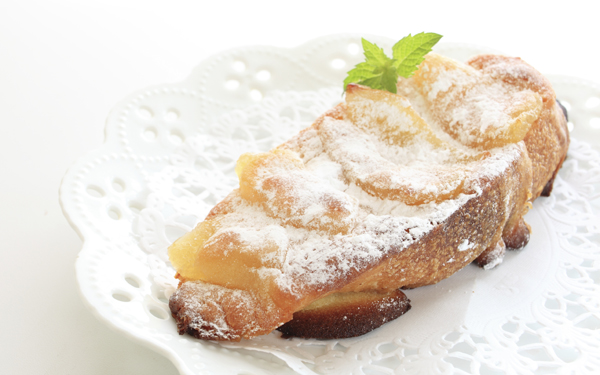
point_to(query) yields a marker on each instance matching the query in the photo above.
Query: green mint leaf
(380, 72)
(360, 72)
(410, 51)
(377, 71)
(373, 54)
(384, 79)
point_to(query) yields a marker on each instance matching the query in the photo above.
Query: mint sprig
(378, 71)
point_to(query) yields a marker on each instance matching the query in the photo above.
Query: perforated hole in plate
(176, 137)
(145, 113)
(162, 298)
(567, 354)
(136, 207)
(118, 185)
(159, 293)
(150, 134)
(238, 66)
(263, 75)
(158, 312)
(114, 213)
(133, 281)
(121, 296)
(172, 115)
(338, 63)
(95, 191)
(256, 95)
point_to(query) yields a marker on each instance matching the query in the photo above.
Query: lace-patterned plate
(169, 156)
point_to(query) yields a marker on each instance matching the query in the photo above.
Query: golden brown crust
(213, 312)
(480, 222)
(491, 256)
(550, 184)
(339, 318)
(518, 237)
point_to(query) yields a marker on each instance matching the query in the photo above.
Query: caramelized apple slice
(243, 258)
(474, 109)
(279, 182)
(230, 256)
(185, 253)
(389, 116)
(388, 150)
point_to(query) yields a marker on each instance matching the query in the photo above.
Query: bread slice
(382, 192)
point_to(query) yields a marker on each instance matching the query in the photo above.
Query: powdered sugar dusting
(446, 78)
(363, 162)
(205, 313)
(353, 190)
(465, 245)
(283, 186)
(495, 256)
(307, 257)
(476, 109)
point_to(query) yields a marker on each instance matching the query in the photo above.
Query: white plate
(169, 156)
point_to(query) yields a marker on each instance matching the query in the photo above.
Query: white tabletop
(64, 64)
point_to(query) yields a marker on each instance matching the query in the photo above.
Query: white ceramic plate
(169, 156)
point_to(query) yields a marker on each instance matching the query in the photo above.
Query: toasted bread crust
(481, 222)
(212, 312)
(340, 319)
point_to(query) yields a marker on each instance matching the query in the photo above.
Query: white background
(64, 64)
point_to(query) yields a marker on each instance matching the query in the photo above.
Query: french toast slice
(381, 192)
